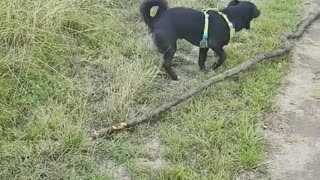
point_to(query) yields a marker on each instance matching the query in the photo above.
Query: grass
(316, 95)
(69, 66)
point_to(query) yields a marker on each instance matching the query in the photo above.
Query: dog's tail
(145, 9)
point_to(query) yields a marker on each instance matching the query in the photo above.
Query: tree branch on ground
(285, 48)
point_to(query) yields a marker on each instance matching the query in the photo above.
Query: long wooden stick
(285, 48)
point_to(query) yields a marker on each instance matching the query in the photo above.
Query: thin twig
(285, 48)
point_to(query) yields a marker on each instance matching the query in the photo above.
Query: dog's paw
(204, 71)
(176, 78)
(180, 79)
(215, 66)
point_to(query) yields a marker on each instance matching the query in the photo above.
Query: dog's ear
(233, 3)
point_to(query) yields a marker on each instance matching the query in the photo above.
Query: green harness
(204, 41)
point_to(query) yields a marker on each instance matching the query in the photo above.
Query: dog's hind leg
(167, 46)
(202, 58)
(168, 56)
(222, 57)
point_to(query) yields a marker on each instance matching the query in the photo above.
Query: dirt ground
(294, 130)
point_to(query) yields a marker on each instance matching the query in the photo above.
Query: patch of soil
(155, 148)
(119, 172)
(294, 130)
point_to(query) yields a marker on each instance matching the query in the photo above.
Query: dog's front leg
(222, 57)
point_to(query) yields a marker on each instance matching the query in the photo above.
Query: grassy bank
(69, 66)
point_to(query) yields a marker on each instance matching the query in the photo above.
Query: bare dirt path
(294, 129)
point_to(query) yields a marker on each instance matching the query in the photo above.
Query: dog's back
(183, 22)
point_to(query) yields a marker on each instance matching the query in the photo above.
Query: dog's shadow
(185, 63)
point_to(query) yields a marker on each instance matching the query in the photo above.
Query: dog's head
(242, 13)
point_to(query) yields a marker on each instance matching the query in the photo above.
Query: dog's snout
(257, 13)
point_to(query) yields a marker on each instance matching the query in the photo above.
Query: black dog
(170, 24)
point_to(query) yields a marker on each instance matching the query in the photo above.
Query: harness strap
(232, 30)
(204, 41)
